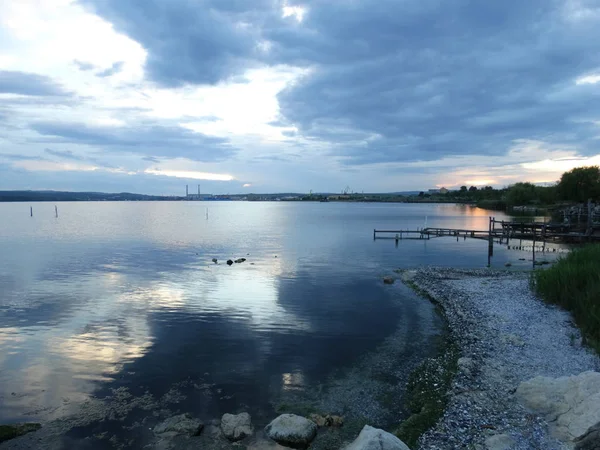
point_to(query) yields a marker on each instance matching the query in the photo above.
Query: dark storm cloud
(24, 83)
(397, 81)
(189, 42)
(113, 70)
(392, 80)
(153, 139)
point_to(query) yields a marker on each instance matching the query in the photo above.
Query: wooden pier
(501, 232)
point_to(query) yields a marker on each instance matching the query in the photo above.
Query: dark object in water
(388, 280)
(229, 262)
(240, 260)
(214, 260)
(18, 429)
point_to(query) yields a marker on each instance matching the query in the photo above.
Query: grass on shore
(573, 282)
(428, 385)
(427, 394)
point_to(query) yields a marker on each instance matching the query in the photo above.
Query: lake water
(125, 294)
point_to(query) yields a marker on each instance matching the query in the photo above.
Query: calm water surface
(125, 294)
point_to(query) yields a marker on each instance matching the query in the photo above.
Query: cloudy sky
(273, 95)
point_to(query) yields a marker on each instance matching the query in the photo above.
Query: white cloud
(588, 79)
(190, 174)
(50, 166)
(297, 12)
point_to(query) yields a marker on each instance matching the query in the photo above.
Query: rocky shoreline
(506, 338)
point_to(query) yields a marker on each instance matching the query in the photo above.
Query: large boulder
(571, 405)
(291, 430)
(590, 440)
(236, 426)
(181, 424)
(375, 439)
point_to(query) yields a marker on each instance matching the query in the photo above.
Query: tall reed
(574, 283)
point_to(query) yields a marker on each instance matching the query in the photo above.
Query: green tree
(521, 194)
(473, 189)
(580, 184)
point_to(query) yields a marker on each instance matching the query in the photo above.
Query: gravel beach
(506, 335)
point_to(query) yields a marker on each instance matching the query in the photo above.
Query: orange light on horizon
(480, 182)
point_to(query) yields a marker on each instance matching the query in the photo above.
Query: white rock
(236, 426)
(466, 364)
(499, 442)
(571, 405)
(375, 439)
(292, 430)
(181, 424)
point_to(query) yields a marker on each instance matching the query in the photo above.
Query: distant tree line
(577, 185)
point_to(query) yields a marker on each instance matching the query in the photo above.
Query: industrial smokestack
(186, 190)
(198, 190)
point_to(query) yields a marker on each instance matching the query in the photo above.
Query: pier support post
(490, 243)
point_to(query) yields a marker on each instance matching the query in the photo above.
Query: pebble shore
(505, 335)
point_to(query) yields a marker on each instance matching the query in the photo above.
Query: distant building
(438, 191)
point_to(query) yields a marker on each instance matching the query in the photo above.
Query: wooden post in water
(56, 211)
(490, 243)
(373, 233)
(533, 248)
(544, 238)
(31, 211)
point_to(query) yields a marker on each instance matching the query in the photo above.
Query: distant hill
(59, 196)
(62, 196)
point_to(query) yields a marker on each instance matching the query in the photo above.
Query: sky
(262, 96)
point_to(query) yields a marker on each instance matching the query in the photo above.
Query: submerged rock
(236, 426)
(571, 405)
(181, 424)
(17, 429)
(214, 260)
(375, 439)
(229, 262)
(388, 280)
(240, 260)
(499, 442)
(327, 421)
(291, 430)
(590, 440)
